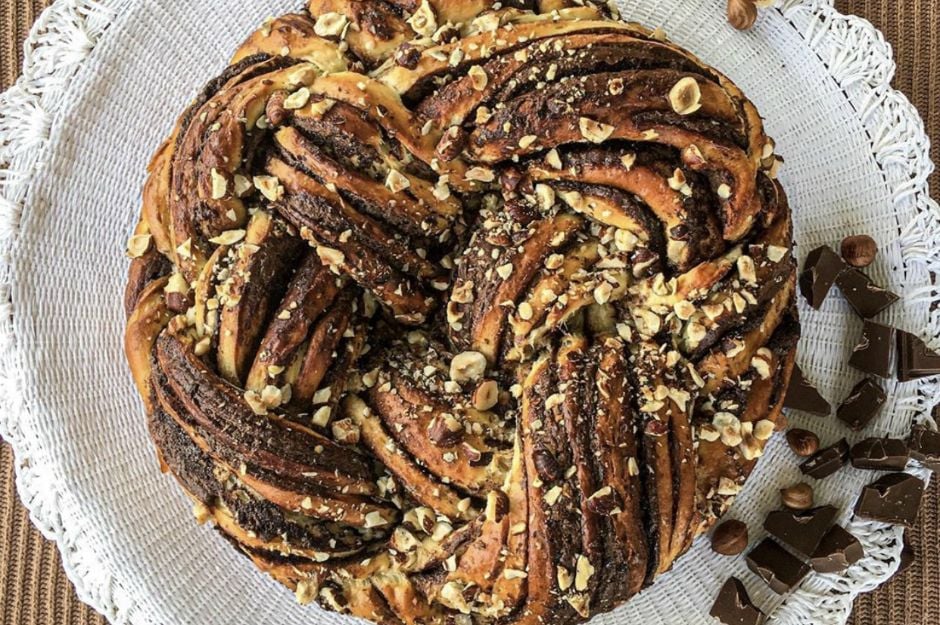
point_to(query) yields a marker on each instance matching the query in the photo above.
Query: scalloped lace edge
(66, 33)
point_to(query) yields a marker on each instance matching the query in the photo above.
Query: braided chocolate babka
(463, 312)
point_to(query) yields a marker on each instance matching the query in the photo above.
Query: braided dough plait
(450, 312)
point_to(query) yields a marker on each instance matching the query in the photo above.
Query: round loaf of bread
(463, 312)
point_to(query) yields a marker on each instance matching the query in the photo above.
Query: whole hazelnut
(730, 538)
(742, 13)
(797, 497)
(859, 250)
(803, 442)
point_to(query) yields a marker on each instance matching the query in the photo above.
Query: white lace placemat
(102, 84)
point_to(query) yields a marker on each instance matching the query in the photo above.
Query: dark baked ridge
(445, 314)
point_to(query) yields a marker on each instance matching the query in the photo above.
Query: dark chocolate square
(893, 498)
(924, 446)
(826, 461)
(838, 551)
(863, 403)
(733, 606)
(775, 565)
(802, 395)
(879, 454)
(801, 530)
(820, 271)
(915, 359)
(872, 354)
(867, 298)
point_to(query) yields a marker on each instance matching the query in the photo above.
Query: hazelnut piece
(730, 538)
(859, 250)
(467, 367)
(445, 431)
(486, 395)
(742, 13)
(803, 442)
(797, 497)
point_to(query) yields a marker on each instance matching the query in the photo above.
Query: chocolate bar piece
(820, 271)
(867, 298)
(802, 395)
(733, 606)
(924, 446)
(838, 551)
(915, 359)
(802, 531)
(826, 461)
(907, 557)
(879, 454)
(893, 498)
(873, 352)
(863, 403)
(775, 565)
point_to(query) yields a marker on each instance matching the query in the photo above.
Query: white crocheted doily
(102, 84)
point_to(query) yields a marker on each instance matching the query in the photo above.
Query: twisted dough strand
(451, 312)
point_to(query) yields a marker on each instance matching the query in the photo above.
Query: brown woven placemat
(34, 589)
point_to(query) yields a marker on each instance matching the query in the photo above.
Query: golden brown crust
(447, 314)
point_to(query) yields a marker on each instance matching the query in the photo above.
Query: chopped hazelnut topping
(684, 310)
(321, 417)
(584, 572)
(761, 366)
(330, 256)
(423, 21)
(396, 181)
(727, 487)
(524, 311)
(478, 77)
(138, 245)
(330, 24)
(764, 429)
(375, 519)
(467, 367)
(219, 184)
(527, 140)
(480, 174)
(552, 496)
(486, 395)
(633, 469)
(269, 186)
(229, 237)
(594, 131)
(685, 97)
(776, 253)
(746, 269)
(297, 100)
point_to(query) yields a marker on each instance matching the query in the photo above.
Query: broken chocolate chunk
(826, 461)
(838, 551)
(893, 498)
(863, 403)
(907, 557)
(915, 359)
(820, 271)
(867, 298)
(879, 454)
(924, 446)
(775, 565)
(802, 395)
(802, 531)
(873, 352)
(733, 605)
